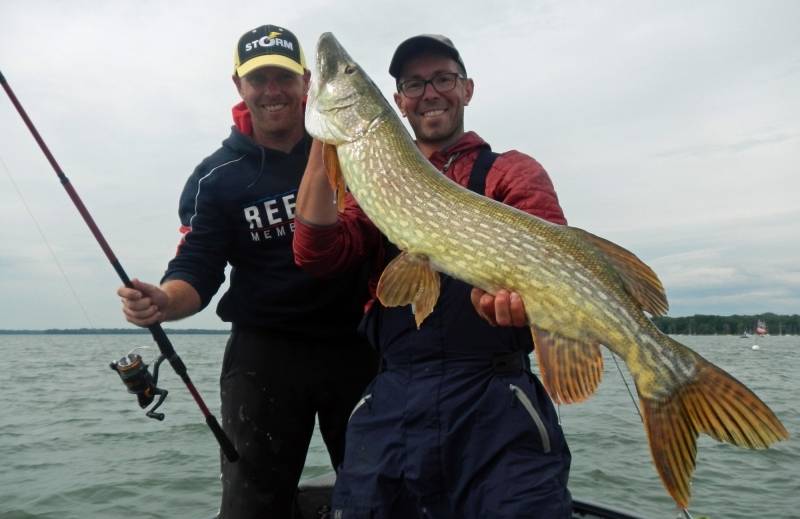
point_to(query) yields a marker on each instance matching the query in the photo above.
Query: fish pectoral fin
(409, 279)
(333, 171)
(570, 370)
(711, 402)
(639, 280)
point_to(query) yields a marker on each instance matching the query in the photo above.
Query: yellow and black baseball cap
(268, 45)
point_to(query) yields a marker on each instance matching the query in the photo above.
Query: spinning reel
(137, 378)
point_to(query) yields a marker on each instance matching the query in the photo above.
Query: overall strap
(483, 163)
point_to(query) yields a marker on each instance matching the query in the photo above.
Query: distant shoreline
(697, 324)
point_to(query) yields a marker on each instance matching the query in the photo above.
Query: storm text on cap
(266, 41)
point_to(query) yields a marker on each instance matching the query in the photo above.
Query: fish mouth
(331, 60)
(343, 102)
(331, 57)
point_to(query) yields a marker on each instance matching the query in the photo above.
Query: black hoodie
(238, 208)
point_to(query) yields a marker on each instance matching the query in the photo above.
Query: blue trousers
(445, 439)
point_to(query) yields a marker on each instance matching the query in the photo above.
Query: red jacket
(515, 179)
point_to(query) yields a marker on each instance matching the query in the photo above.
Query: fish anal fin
(333, 171)
(714, 403)
(639, 280)
(570, 370)
(409, 279)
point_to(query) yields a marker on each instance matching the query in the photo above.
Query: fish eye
(349, 69)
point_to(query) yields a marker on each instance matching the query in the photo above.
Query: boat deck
(314, 499)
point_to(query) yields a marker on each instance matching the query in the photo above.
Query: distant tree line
(728, 324)
(691, 325)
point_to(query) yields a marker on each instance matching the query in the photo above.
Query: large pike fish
(579, 290)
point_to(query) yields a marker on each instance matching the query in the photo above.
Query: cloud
(670, 128)
(704, 276)
(741, 145)
(739, 265)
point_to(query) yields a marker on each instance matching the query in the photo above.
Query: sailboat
(761, 328)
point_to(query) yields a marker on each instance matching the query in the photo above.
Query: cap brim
(270, 60)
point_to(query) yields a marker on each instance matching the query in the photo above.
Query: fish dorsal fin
(570, 370)
(409, 279)
(334, 173)
(639, 280)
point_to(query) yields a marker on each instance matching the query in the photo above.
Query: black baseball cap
(268, 45)
(421, 43)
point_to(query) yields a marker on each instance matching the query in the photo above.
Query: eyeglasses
(442, 83)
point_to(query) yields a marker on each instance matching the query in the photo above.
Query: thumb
(157, 296)
(145, 288)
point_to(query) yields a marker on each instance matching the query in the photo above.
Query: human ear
(469, 89)
(398, 100)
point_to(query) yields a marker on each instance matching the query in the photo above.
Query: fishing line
(132, 371)
(633, 399)
(47, 243)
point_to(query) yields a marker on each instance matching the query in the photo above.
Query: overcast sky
(670, 128)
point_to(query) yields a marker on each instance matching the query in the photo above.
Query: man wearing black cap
(293, 352)
(455, 424)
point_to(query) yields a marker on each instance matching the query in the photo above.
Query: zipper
(528, 405)
(360, 403)
(450, 160)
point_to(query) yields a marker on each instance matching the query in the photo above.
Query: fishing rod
(131, 368)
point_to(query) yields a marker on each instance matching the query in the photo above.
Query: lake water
(75, 445)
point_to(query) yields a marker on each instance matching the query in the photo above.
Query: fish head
(343, 102)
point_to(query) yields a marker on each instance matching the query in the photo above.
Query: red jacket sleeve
(518, 180)
(328, 250)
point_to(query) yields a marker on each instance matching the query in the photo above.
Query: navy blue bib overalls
(455, 425)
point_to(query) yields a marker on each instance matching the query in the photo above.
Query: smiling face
(436, 118)
(274, 97)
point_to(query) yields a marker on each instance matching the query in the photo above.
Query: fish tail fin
(712, 402)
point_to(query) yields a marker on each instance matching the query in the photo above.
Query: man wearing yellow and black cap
(293, 352)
